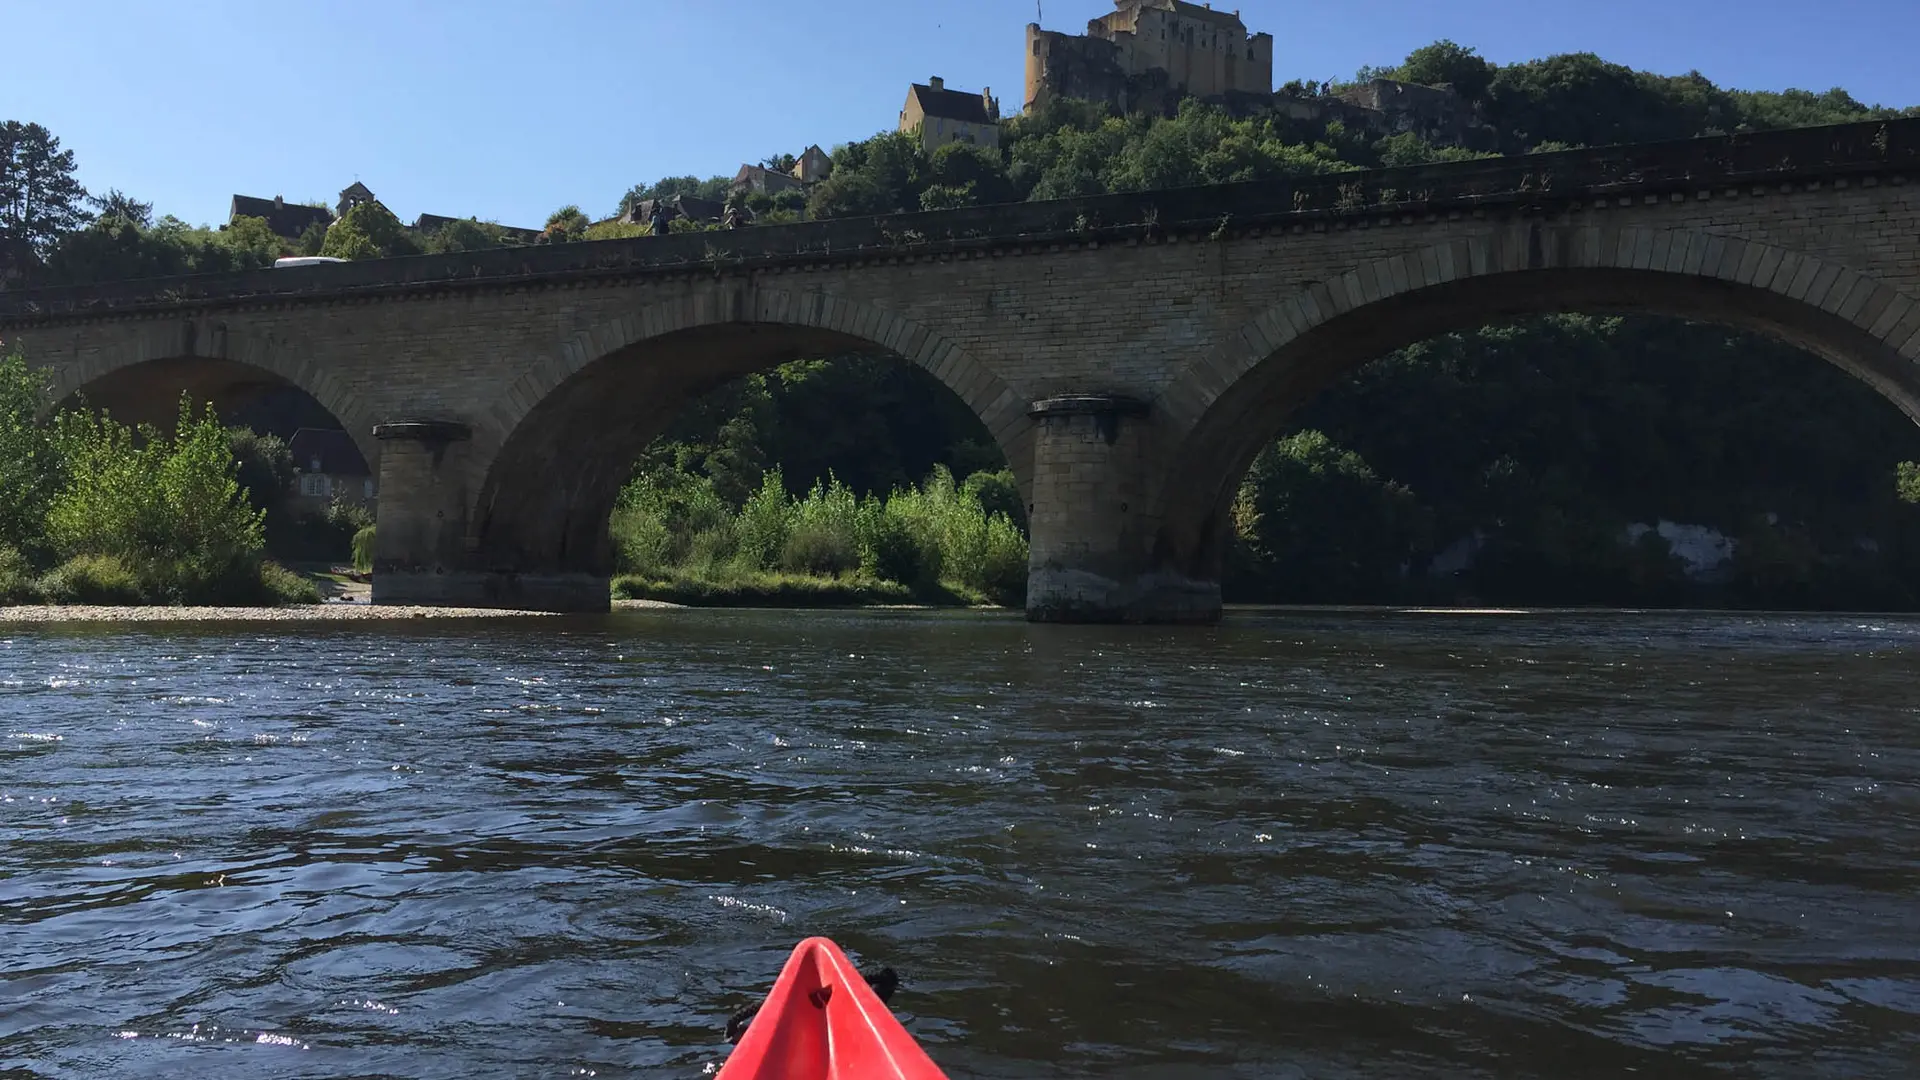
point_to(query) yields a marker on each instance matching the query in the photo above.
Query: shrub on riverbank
(279, 585)
(934, 544)
(16, 577)
(763, 589)
(94, 511)
(107, 580)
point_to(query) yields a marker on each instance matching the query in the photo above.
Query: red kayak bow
(822, 1022)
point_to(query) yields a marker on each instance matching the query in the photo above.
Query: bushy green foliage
(16, 577)
(93, 578)
(936, 541)
(1906, 481)
(363, 549)
(130, 515)
(167, 507)
(115, 247)
(712, 189)
(466, 234)
(823, 533)
(1548, 437)
(614, 230)
(279, 585)
(326, 536)
(761, 589)
(564, 226)
(264, 466)
(29, 463)
(1318, 525)
(369, 231)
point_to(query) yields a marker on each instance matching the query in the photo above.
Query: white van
(292, 261)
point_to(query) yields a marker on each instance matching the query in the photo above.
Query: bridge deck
(1839, 152)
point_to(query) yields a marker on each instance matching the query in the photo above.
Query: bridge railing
(1879, 147)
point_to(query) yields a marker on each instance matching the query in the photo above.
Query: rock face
(1128, 353)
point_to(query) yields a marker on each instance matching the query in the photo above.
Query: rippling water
(1295, 845)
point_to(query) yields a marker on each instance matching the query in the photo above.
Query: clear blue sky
(508, 110)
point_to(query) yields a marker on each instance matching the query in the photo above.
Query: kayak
(822, 1021)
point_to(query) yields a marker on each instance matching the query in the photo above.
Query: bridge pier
(421, 554)
(420, 534)
(1092, 558)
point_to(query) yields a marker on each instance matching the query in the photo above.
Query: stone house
(813, 166)
(940, 116)
(328, 468)
(764, 181)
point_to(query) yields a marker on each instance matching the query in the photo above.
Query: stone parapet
(1798, 155)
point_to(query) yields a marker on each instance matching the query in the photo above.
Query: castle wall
(1202, 53)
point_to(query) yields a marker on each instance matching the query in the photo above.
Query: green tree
(1906, 482)
(29, 463)
(368, 231)
(169, 507)
(39, 198)
(264, 467)
(117, 203)
(885, 174)
(252, 243)
(965, 174)
(564, 226)
(1319, 525)
(467, 234)
(1444, 62)
(712, 189)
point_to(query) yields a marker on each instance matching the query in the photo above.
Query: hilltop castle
(1147, 55)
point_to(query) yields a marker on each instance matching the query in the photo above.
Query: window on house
(313, 485)
(367, 487)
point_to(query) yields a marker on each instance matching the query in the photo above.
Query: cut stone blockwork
(1128, 353)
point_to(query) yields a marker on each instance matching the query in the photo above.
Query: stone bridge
(1128, 353)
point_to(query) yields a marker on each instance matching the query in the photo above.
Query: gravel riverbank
(54, 613)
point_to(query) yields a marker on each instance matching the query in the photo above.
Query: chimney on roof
(936, 83)
(278, 202)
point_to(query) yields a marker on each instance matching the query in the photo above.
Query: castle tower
(1036, 65)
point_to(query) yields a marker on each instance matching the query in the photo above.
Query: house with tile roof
(940, 116)
(328, 468)
(283, 218)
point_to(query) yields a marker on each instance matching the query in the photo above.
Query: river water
(1299, 844)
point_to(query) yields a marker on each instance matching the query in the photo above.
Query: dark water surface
(1326, 845)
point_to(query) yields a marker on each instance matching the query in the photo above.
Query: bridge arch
(554, 450)
(210, 360)
(1223, 407)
